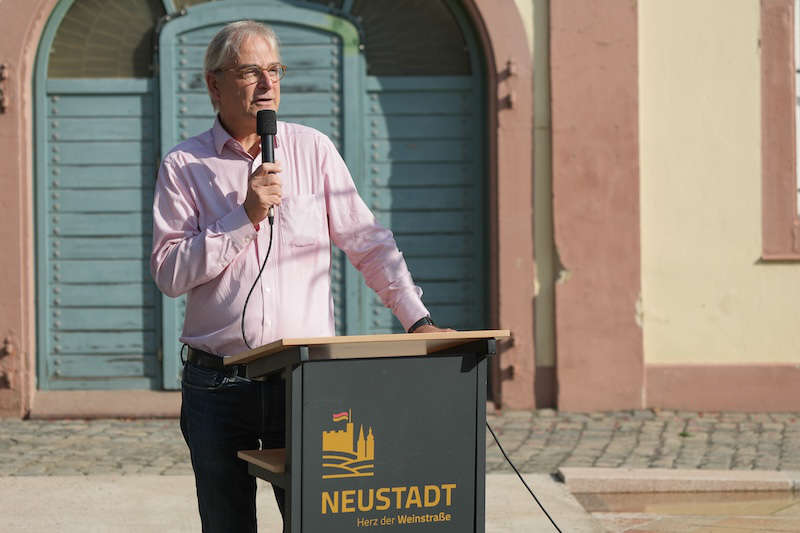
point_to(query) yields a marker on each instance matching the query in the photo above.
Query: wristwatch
(421, 322)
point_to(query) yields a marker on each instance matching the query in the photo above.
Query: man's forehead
(256, 50)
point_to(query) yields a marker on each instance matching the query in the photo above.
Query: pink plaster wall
(21, 24)
(511, 169)
(594, 80)
(749, 388)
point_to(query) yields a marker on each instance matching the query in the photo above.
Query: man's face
(239, 100)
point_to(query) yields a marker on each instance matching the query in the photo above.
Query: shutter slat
(91, 105)
(122, 342)
(423, 174)
(103, 129)
(136, 247)
(94, 319)
(429, 102)
(105, 200)
(422, 150)
(104, 176)
(417, 222)
(416, 198)
(401, 127)
(444, 268)
(106, 366)
(117, 271)
(430, 243)
(93, 295)
(117, 224)
(103, 153)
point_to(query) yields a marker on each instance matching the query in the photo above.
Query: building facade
(613, 181)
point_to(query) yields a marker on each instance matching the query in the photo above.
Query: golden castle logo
(345, 456)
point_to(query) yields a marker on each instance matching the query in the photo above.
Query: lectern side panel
(294, 439)
(389, 444)
(480, 448)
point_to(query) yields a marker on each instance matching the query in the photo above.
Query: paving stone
(65, 471)
(607, 464)
(663, 463)
(686, 464)
(733, 417)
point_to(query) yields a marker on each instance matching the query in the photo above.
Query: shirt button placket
(268, 305)
(264, 281)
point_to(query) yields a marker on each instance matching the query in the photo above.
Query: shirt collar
(221, 136)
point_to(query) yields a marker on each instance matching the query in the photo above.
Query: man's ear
(212, 82)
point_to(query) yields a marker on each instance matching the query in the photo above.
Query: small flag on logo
(340, 416)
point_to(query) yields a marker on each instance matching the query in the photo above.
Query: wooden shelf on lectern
(355, 346)
(270, 460)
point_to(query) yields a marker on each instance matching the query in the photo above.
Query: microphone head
(266, 122)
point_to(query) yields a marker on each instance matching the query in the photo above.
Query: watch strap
(422, 321)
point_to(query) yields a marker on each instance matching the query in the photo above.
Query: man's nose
(263, 79)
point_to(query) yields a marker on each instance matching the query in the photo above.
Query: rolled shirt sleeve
(369, 246)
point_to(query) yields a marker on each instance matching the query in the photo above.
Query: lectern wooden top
(354, 346)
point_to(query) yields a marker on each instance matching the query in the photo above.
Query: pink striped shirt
(205, 246)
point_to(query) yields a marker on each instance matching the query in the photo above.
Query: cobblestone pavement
(537, 441)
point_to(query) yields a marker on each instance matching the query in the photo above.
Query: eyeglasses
(252, 73)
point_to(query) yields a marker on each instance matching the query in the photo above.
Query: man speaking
(210, 235)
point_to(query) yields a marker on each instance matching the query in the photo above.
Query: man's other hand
(263, 191)
(428, 328)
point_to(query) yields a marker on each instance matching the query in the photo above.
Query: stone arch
(510, 125)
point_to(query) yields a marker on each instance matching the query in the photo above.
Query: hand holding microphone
(263, 192)
(264, 185)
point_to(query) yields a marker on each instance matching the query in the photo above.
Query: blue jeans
(221, 415)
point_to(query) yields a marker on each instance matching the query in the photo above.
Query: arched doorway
(399, 91)
(95, 133)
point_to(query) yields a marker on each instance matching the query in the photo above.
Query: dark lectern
(382, 431)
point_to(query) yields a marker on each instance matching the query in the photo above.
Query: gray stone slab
(147, 503)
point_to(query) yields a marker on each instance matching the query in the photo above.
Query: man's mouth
(262, 100)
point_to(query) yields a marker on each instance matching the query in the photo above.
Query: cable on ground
(521, 478)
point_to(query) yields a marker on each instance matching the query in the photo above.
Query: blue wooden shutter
(97, 308)
(323, 79)
(425, 165)
(425, 169)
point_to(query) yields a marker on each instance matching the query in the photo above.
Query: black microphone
(267, 127)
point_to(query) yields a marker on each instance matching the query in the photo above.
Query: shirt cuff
(410, 310)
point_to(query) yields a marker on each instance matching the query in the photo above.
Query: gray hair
(224, 46)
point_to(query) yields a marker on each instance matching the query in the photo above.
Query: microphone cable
(521, 478)
(269, 248)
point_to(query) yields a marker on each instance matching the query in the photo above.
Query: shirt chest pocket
(302, 220)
